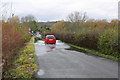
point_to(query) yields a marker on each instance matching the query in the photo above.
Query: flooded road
(57, 61)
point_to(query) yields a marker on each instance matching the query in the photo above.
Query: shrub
(26, 37)
(24, 65)
(97, 35)
(14, 35)
(28, 49)
(108, 42)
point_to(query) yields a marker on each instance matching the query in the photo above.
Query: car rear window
(50, 37)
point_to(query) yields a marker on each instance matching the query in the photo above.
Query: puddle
(40, 72)
(43, 49)
(50, 47)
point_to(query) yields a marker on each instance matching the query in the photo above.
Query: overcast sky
(51, 10)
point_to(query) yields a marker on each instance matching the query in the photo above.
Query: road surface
(55, 61)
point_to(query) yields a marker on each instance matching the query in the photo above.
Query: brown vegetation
(99, 35)
(14, 35)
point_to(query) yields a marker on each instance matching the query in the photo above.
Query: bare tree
(77, 17)
(28, 18)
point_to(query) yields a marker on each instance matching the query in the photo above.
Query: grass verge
(95, 52)
(24, 64)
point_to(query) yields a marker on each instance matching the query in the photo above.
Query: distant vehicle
(38, 37)
(50, 39)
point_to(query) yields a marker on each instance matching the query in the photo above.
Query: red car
(50, 39)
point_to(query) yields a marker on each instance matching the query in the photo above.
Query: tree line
(99, 35)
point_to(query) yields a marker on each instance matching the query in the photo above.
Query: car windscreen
(50, 37)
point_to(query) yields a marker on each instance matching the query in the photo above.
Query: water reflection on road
(43, 49)
(50, 47)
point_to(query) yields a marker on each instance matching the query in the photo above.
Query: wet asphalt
(57, 61)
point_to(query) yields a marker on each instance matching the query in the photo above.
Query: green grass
(95, 52)
(24, 65)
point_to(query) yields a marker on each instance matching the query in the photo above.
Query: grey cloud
(59, 9)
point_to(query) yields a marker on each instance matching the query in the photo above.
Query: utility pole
(11, 9)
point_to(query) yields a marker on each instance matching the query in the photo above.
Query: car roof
(49, 35)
